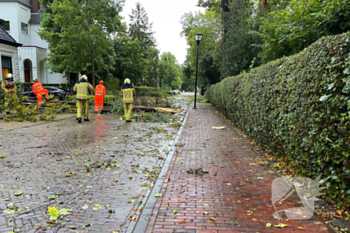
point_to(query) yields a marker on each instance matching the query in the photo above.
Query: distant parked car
(175, 92)
(57, 92)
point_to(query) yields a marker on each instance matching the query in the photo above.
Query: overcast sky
(165, 16)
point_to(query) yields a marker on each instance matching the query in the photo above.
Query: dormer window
(24, 28)
(5, 24)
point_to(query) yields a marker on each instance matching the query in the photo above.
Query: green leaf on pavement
(18, 193)
(65, 211)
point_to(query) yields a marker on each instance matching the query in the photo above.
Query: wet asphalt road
(103, 170)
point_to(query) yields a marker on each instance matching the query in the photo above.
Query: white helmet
(127, 81)
(9, 75)
(84, 77)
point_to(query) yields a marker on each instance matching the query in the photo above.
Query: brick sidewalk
(235, 191)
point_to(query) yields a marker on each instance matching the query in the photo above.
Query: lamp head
(198, 37)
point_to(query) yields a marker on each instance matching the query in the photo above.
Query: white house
(8, 54)
(21, 19)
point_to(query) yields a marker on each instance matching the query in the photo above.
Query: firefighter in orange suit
(39, 91)
(100, 93)
(128, 93)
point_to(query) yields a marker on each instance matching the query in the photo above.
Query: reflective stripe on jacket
(100, 90)
(82, 90)
(128, 95)
(37, 87)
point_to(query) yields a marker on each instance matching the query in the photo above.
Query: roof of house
(24, 2)
(35, 17)
(6, 38)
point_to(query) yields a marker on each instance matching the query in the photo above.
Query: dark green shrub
(142, 91)
(108, 98)
(203, 89)
(299, 108)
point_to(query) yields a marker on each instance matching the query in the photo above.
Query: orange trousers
(39, 96)
(98, 103)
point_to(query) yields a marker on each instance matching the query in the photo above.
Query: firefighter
(9, 88)
(100, 93)
(39, 91)
(128, 93)
(82, 88)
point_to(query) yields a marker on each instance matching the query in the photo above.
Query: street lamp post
(198, 37)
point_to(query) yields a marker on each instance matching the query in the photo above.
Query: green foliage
(296, 24)
(188, 79)
(112, 85)
(142, 91)
(19, 90)
(21, 112)
(240, 46)
(151, 76)
(155, 117)
(299, 108)
(140, 28)
(209, 4)
(130, 61)
(170, 71)
(108, 98)
(78, 32)
(118, 107)
(210, 25)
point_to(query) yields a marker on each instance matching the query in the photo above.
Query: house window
(5, 24)
(6, 63)
(24, 28)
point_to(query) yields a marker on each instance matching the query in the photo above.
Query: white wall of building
(35, 38)
(24, 15)
(17, 13)
(10, 51)
(33, 47)
(50, 76)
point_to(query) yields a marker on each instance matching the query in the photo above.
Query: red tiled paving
(227, 196)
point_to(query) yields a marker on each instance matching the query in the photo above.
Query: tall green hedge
(299, 108)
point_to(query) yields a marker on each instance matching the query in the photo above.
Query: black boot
(87, 119)
(79, 120)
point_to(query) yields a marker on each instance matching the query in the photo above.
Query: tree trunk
(93, 67)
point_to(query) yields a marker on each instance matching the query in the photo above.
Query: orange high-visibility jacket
(37, 88)
(100, 90)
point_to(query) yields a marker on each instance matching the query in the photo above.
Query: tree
(79, 33)
(152, 68)
(130, 62)
(169, 71)
(240, 47)
(294, 25)
(209, 24)
(209, 4)
(140, 28)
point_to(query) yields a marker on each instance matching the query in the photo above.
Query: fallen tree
(149, 109)
(299, 108)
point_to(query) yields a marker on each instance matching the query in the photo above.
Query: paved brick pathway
(236, 192)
